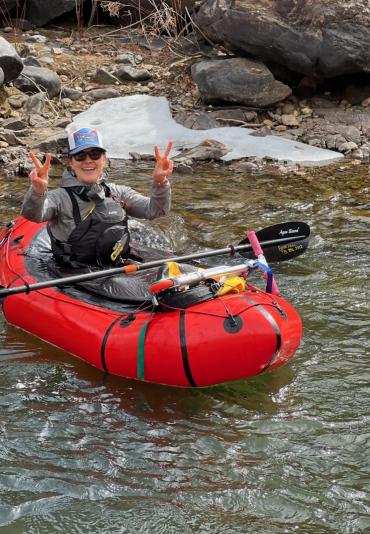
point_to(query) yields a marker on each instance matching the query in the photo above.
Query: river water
(284, 452)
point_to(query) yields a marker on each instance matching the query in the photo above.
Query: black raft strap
(184, 351)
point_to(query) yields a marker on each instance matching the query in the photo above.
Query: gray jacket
(56, 207)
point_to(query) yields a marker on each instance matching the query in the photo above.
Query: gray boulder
(14, 123)
(9, 137)
(102, 94)
(37, 79)
(10, 62)
(207, 150)
(2, 77)
(72, 94)
(36, 103)
(306, 36)
(40, 12)
(129, 58)
(238, 80)
(104, 77)
(56, 142)
(127, 73)
(31, 61)
(196, 121)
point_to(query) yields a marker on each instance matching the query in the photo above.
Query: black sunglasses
(93, 154)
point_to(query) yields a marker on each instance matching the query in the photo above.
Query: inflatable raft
(189, 334)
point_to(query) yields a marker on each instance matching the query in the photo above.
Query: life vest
(95, 237)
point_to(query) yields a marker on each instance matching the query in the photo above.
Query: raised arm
(37, 205)
(163, 167)
(39, 176)
(159, 202)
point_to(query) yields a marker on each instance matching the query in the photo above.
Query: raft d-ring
(161, 285)
(233, 324)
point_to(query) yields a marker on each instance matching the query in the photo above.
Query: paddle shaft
(131, 268)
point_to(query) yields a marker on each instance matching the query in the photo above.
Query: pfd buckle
(117, 249)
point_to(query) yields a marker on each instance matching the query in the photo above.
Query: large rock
(37, 79)
(127, 73)
(40, 12)
(7, 5)
(238, 80)
(10, 62)
(306, 36)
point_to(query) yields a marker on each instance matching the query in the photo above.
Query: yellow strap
(118, 247)
(89, 213)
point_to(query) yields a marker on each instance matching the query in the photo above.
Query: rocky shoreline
(64, 72)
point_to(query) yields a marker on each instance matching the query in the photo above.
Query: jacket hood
(70, 180)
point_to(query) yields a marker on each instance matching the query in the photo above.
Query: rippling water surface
(285, 452)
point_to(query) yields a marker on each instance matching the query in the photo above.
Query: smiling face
(88, 165)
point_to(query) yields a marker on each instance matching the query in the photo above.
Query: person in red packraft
(86, 215)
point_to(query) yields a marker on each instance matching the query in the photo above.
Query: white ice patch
(136, 123)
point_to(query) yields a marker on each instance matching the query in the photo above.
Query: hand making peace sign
(40, 174)
(164, 165)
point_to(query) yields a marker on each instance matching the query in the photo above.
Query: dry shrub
(153, 16)
(112, 8)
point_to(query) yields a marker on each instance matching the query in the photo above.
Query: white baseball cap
(83, 139)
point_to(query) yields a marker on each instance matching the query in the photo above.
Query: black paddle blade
(281, 242)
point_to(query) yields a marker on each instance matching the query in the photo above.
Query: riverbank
(109, 62)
